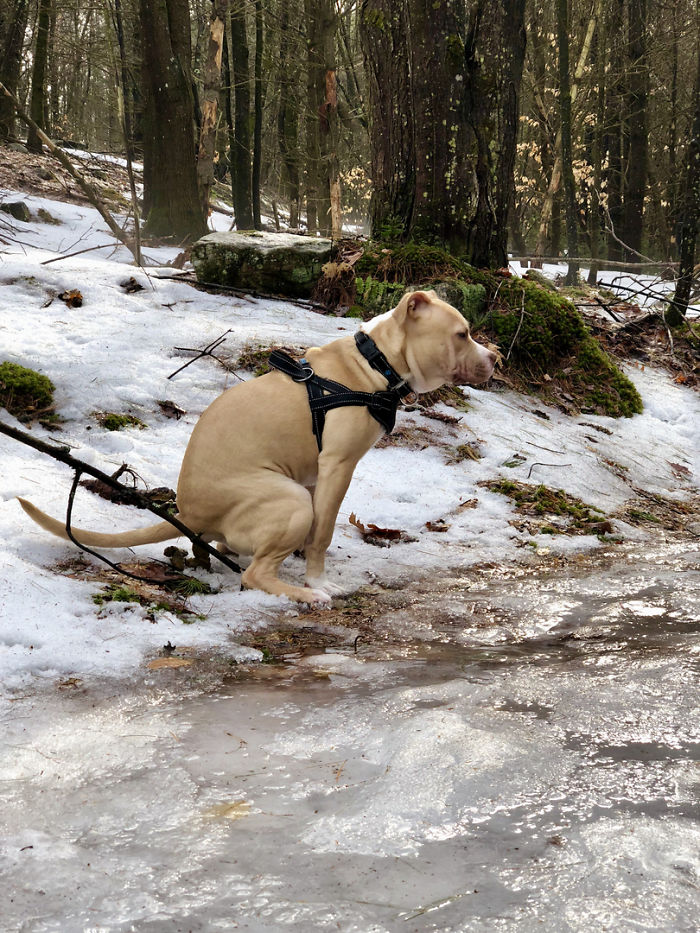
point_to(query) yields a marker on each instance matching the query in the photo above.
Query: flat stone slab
(278, 263)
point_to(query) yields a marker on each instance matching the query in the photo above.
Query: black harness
(325, 394)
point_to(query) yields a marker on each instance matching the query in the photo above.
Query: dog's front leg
(334, 475)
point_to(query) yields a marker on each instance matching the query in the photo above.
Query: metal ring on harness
(308, 373)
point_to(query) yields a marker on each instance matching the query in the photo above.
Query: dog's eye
(463, 335)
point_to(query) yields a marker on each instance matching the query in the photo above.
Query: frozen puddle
(522, 756)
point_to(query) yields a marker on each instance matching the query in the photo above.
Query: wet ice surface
(518, 752)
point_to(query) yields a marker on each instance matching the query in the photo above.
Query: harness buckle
(306, 375)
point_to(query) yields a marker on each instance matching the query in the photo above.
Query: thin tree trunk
(288, 119)
(241, 180)
(556, 179)
(637, 162)
(595, 227)
(209, 103)
(566, 153)
(258, 112)
(37, 105)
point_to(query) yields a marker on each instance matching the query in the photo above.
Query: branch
(138, 499)
(58, 153)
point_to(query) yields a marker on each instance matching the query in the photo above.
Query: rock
(279, 263)
(44, 173)
(17, 147)
(17, 209)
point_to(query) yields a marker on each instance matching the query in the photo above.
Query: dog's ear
(413, 304)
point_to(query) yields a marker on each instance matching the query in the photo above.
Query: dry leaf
(157, 663)
(468, 504)
(72, 298)
(437, 526)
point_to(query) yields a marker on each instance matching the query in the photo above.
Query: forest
(521, 127)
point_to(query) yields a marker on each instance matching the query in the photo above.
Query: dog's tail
(152, 534)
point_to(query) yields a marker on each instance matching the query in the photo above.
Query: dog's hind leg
(283, 519)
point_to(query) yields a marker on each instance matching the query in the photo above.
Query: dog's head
(435, 341)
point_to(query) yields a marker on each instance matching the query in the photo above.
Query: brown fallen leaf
(157, 663)
(467, 504)
(72, 298)
(380, 537)
(439, 525)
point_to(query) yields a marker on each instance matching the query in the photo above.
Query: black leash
(325, 394)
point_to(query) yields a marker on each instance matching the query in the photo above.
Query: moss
(47, 217)
(111, 421)
(24, 393)
(116, 594)
(539, 501)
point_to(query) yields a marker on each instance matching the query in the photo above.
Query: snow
(115, 353)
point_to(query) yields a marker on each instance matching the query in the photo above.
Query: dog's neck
(390, 341)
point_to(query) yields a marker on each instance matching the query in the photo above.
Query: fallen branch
(602, 263)
(136, 498)
(89, 192)
(207, 351)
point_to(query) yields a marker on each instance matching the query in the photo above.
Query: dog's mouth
(474, 376)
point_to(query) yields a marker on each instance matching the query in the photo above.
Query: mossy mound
(558, 512)
(25, 393)
(547, 345)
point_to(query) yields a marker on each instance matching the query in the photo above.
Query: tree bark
(320, 57)
(37, 104)
(614, 127)
(169, 145)
(241, 178)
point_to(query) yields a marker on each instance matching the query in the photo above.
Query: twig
(79, 252)
(207, 351)
(138, 499)
(546, 464)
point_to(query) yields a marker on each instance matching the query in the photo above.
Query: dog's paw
(318, 598)
(321, 583)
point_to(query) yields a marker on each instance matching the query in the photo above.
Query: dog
(253, 478)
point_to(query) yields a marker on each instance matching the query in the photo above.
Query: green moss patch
(25, 393)
(111, 421)
(551, 511)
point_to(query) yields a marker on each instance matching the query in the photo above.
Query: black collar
(376, 359)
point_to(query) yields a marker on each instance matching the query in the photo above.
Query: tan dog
(253, 479)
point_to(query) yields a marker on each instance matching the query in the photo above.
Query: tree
(637, 128)
(171, 198)
(13, 25)
(444, 103)
(691, 213)
(209, 101)
(37, 106)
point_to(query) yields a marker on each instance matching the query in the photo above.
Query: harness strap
(325, 394)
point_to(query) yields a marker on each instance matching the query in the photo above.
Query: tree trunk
(241, 180)
(169, 145)
(320, 48)
(691, 214)
(636, 170)
(566, 152)
(210, 102)
(13, 25)
(594, 221)
(37, 104)
(258, 111)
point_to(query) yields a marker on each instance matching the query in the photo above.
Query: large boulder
(277, 263)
